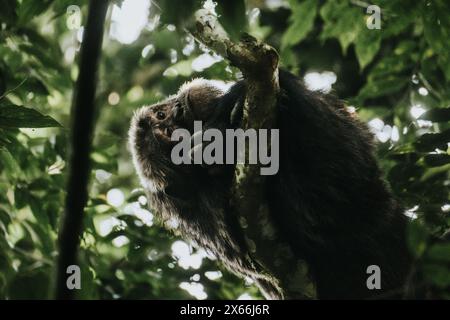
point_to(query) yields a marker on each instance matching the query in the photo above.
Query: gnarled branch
(259, 65)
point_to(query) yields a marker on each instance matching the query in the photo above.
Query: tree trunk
(83, 123)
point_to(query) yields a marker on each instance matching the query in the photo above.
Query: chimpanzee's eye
(160, 115)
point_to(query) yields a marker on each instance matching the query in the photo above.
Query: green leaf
(35, 85)
(36, 207)
(440, 252)
(180, 13)
(301, 22)
(430, 141)
(8, 12)
(437, 274)
(88, 287)
(34, 37)
(436, 23)
(12, 116)
(8, 164)
(341, 21)
(41, 55)
(437, 115)
(381, 87)
(437, 160)
(21, 196)
(2, 83)
(397, 24)
(397, 62)
(29, 9)
(232, 17)
(367, 46)
(417, 237)
(32, 284)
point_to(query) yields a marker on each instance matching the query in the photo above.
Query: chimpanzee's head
(152, 126)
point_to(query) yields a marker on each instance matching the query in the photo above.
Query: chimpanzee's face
(152, 126)
(158, 121)
(149, 138)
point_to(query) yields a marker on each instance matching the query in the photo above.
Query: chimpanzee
(328, 200)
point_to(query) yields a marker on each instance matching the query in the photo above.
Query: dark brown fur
(328, 199)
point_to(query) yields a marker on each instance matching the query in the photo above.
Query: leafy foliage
(391, 76)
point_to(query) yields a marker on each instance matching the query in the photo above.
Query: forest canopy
(394, 76)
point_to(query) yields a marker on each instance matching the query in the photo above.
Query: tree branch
(83, 123)
(259, 65)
